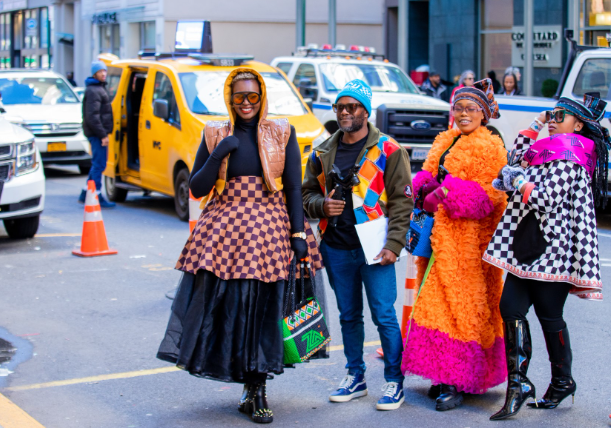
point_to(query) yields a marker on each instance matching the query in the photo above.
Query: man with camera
(359, 175)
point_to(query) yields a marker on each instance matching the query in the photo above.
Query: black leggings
(548, 298)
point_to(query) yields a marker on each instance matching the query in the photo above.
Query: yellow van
(160, 107)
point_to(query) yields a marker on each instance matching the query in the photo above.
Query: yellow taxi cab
(160, 108)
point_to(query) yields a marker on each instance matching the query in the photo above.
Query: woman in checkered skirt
(547, 239)
(225, 318)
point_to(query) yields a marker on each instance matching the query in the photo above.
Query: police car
(399, 108)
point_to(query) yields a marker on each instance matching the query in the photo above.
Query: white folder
(372, 235)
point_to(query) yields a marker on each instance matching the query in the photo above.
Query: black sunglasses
(350, 108)
(239, 97)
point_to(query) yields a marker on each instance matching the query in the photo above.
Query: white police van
(399, 109)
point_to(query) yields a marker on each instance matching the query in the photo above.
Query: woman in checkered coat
(225, 318)
(547, 240)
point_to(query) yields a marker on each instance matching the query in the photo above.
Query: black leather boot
(256, 404)
(518, 348)
(560, 356)
(449, 398)
(244, 398)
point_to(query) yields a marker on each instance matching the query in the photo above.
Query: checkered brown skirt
(244, 234)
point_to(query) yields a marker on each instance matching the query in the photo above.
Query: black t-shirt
(344, 236)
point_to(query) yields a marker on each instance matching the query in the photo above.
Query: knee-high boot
(518, 349)
(561, 358)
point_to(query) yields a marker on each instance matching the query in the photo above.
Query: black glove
(226, 146)
(300, 248)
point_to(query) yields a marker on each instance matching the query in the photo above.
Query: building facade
(483, 35)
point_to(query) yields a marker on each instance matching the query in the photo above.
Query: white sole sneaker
(346, 398)
(390, 406)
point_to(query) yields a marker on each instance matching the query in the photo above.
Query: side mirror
(161, 109)
(307, 90)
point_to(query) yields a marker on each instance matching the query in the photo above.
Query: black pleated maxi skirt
(225, 330)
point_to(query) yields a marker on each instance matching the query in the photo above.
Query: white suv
(22, 181)
(399, 109)
(45, 103)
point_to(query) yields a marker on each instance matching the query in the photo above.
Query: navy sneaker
(352, 386)
(392, 398)
(82, 196)
(104, 203)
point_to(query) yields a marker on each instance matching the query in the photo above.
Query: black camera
(342, 186)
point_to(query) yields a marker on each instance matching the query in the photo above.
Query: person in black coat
(97, 124)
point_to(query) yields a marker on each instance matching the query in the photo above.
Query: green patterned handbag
(304, 328)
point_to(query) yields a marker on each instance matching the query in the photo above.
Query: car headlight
(26, 158)
(320, 139)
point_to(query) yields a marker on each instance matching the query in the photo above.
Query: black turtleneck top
(245, 161)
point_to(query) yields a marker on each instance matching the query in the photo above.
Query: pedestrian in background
(377, 183)
(97, 125)
(495, 83)
(456, 334)
(510, 85)
(225, 321)
(70, 78)
(433, 87)
(467, 78)
(548, 241)
(515, 71)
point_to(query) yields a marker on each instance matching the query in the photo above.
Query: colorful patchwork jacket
(385, 187)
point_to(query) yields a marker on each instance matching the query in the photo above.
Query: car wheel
(84, 169)
(21, 228)
(181, 194)
(115, 194)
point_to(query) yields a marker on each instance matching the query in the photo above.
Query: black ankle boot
(244, 398)
(256, 404)
(560, 356)
(518, 348)
(449, 398)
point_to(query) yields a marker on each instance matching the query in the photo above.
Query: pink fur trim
(435, 355)
(421, 179)
(466, 199)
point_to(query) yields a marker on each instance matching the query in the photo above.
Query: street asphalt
(87, 331)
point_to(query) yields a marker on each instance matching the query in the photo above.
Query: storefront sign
(105, 18)
(547, 46)
(8, 5)
(31, 27)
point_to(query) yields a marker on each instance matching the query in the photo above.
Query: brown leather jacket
(273, 135)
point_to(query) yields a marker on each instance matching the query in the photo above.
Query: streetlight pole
(402, 43)
(528, 47)
(300, 23)
(332, 23)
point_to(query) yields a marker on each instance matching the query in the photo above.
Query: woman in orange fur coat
(456, 335)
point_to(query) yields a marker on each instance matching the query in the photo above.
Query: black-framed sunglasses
(239, 97)
(557, 116)
(350, 108)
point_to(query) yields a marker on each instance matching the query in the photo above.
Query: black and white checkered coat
(563, 204)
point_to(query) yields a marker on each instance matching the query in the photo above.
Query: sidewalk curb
(13, 416)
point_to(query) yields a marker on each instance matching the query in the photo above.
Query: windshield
(381, 78)
(36, 90)
(204, 93)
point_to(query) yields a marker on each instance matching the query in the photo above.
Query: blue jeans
(99, 154)
(347, 271)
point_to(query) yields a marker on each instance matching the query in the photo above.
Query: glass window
(381, 78)
(495, 28)
(112, 81)
(147, 36)
(30, 39)
(163, 91)
(44, 27)
(305, 71)
(204, 94)
(285, 67)
(36, 90)
(5, 22)
(110, 39)
(17, 30)
(594, 76)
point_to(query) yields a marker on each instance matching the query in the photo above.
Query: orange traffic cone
(194, 210)
(408, 297)
(93, 241)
